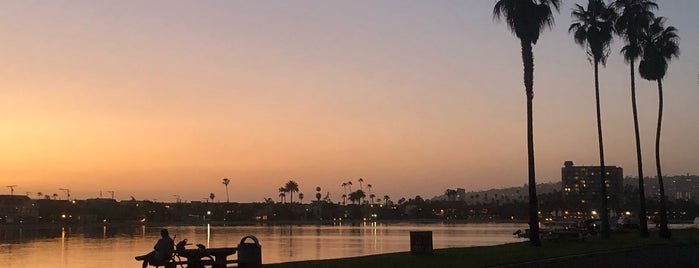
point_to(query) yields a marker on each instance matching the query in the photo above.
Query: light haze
(153, 99)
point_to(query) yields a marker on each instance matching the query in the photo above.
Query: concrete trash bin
(249, 254)
(421, 243)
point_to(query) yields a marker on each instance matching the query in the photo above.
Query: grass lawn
(503, 254)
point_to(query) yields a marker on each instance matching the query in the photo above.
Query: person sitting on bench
(162, 251)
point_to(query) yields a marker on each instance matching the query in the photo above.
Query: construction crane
(12, 189)
(67, 192)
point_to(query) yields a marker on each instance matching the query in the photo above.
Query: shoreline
(38, 226)
(622, 250)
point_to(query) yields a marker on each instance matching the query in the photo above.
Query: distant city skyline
(156, 99)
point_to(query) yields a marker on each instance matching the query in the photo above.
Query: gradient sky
(159, 98)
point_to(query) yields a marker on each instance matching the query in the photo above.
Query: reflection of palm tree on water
(288, 233)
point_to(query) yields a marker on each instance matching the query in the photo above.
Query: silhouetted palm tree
(634, 17)
(226, 181)
(371, 197)
(386, 199)
(593, 29)
(527, 19)
(356, 196)
(291, 186)
(282, 194)
(301, 198)
(660, 45)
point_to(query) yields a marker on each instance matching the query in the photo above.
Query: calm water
(116, 247)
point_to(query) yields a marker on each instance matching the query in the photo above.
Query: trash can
(421, 243)
(249, 254)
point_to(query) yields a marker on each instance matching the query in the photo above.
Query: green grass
(503, 254)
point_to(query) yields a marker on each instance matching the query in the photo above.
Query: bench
(249, 255)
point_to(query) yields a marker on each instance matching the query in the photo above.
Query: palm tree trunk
(603, 173)
(664, 231)
(642, 218)
(528, 61)
(227, 198)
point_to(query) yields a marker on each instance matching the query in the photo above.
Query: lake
(104, 246)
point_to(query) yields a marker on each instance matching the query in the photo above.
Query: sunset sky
(153, 99)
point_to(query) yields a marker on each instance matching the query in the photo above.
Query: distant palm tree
(360, 180)
(660, 45)
(371, 197)
(301, 198)
(634, 17)
(527, 19)
(344, 191)
(356, 196)
(386, 199)
(212, 196)
(368, 186)
(349, 183)
(291, 186)
(282, 194)
(39, 194)
(318, 195)
(344, 198)
(593, 29)
(226, 181)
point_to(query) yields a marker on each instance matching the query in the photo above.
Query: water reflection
(114, 246)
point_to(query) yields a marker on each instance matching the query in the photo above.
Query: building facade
(582, 186)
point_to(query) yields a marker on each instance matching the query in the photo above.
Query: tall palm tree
(593, 29)
(226, 181)
(527, 19)
(634, 17)
(291, 186)
(660, 45)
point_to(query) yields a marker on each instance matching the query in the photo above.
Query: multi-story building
(582, 186)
